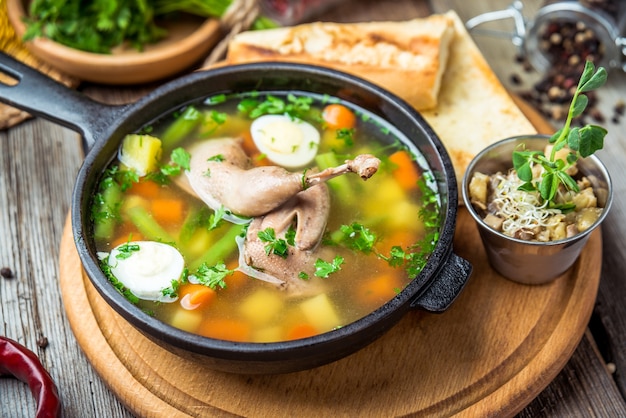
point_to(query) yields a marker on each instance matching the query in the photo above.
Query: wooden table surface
(38, 164)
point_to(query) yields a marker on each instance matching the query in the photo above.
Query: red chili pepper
(18, 361)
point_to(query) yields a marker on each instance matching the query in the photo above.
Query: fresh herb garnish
(278, 246)
(124, 251)
(179, 161)
(119, 286)
(415, 257)
(99, 26)
(216, 158)
(582, 142)
(354, 236)
(296, 107)
(216, 218)
(346, 135)
(172, 290)
(211, 276)
(324, 269)
(107, 202)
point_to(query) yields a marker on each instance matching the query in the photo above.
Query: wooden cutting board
(491, 353)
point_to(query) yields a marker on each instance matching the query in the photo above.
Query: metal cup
(532, 262)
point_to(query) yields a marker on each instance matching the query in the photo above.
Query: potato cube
(320, 312)
(141, 153)
(261, 306)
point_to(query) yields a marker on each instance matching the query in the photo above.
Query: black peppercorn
(6, 273)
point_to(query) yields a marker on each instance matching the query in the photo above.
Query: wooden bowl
(188, 41)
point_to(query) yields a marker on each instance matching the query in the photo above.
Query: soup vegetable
(246, 218)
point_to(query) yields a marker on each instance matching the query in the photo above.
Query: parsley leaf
(124, 251)
(179, 161)
(119, 286)
(211, 276)
(346, 135)
(324, 269)
(274, 245)
(99, 26)
(296, 107)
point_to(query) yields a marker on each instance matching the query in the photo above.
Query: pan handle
(40, 95)
(447, 285)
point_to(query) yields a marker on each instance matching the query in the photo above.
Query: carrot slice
(145, 188)
(401, 238)
(252, 151)
(226, 329)
(194, 296)
(405, 171)
(167, 211)
(301, 331)
(337, 116)
(236, 280)
(374, 292)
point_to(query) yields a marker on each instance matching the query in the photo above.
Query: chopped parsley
(216, 158)
(324, 269)
(346, 135)
(415, 256)
(119, 286)
(278, 246)
(358, 237)
(180, 160)
(296, 107)
(172, 290)
(211, 276)
(124, 251)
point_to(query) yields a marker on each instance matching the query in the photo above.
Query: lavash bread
(471, 109)
(474, 109)
(408, 58)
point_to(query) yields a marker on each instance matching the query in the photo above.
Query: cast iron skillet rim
(204, 345)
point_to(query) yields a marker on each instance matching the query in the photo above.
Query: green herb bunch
(100, 25)
(582, 142)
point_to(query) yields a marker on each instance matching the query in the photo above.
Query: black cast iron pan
(103, 127)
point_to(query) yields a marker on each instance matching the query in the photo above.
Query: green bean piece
(107, 211)
(220, 250)
(182, 127)
(146, 224)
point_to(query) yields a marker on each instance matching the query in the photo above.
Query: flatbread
(407, 58)
(474, 109)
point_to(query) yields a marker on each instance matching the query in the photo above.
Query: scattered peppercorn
(569, 45)
(6, 273)
(42, 342)
(516, 79)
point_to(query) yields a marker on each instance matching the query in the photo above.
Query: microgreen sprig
(582, 142)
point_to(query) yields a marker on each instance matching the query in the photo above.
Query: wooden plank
(38, 166)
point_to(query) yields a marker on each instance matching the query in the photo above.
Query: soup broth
(375, 239)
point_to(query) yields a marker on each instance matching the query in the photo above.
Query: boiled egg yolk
(146, 268)
(286, 141)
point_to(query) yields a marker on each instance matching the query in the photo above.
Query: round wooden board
(491, 353)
